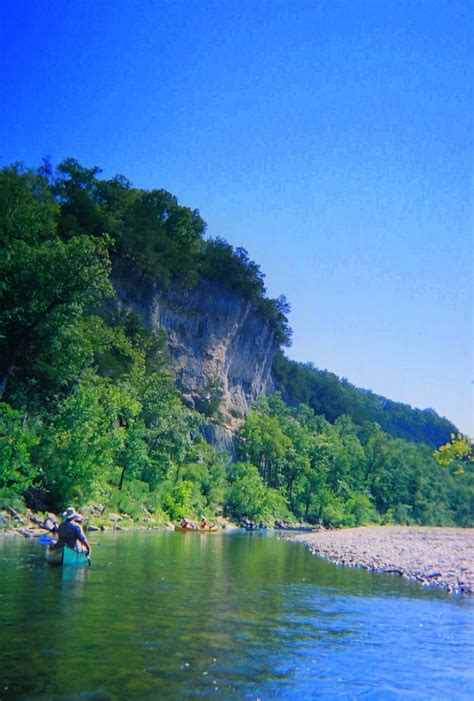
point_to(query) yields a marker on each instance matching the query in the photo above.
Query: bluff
(226, 354)
(221, 348)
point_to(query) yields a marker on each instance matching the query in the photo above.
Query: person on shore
(70, 532)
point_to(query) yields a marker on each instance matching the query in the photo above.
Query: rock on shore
(437, 556)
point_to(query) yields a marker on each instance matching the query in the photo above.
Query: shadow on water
(241, 616)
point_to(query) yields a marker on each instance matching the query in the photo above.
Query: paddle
(45, 539)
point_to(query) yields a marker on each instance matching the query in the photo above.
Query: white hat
(71, 513)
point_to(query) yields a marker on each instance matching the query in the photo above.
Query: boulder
(114, 517)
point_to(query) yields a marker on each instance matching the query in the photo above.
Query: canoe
(211, 529)
(66, 556)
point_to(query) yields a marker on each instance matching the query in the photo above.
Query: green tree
(263, 443)
(28, 211)
(44, 288)
(162, 238)
(46, 283)
(178, 503)
(82, 444)
(16, 442)
(169, 428)
(247, 495)
(458, 450)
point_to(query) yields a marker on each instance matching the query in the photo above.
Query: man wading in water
(70, 532)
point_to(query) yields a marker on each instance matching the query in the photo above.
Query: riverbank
(443, 557)
(30, 524)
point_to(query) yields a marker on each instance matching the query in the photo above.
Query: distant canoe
(66, 556)
(211, 529)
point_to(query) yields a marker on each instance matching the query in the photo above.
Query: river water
(174, 616)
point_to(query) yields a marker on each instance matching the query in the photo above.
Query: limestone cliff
(221, 349)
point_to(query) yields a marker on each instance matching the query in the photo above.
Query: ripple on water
(166, 617)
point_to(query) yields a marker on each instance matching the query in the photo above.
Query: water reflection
(176, 616)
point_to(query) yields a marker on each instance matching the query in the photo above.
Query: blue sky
(333, 140)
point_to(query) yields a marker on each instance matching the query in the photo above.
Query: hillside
(137, 365)
(327, 394)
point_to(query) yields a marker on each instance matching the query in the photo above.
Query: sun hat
(71, 513)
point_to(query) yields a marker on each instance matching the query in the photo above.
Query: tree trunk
(9, 364)
(122, 477)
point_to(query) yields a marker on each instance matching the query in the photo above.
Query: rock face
(221, 348)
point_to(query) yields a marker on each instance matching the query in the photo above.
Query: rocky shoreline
(442, 557)
(30, 524)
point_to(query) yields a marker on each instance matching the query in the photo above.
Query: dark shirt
(69, 533)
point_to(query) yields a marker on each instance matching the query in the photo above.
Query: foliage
(78, 446)
(158, 238)
(331, 396)
(91, 408)
(341, 473)
(178, 502)
(47, 283)
(247, 494)
(16, 442)
(161, 237)
(459, 450)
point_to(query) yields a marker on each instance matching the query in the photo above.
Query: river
(167, 616)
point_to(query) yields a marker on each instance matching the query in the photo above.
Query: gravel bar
(443, 557)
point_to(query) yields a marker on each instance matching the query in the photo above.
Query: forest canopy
(331, 396)
(89, 406)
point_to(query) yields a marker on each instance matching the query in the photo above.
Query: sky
(331, 139)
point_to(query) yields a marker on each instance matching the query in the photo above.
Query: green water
(242, 616)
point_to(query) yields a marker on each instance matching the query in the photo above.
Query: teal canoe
(66, 556)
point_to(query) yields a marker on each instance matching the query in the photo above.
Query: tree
(46, 282)
(162, 238)
(458, 450)
(76, 188)
(332, 396)
(16, 442)
(45, 287)
(247, 494)
(28, 211)
(263, 443)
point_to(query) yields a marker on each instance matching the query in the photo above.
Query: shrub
(178, 502)
(16, 441)
(247, 494)
(361, 509)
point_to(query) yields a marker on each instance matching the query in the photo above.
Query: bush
(16, 441)
(247, 494)
(276, 507)
(9, 499)
(335, 514)
(361, 509)
(402, 513)
(178, 503)
(130, 498)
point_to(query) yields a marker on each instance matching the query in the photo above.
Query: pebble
(442, 557)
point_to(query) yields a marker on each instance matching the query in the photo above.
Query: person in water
(185, 523)
(70, 532)
(204, 522)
